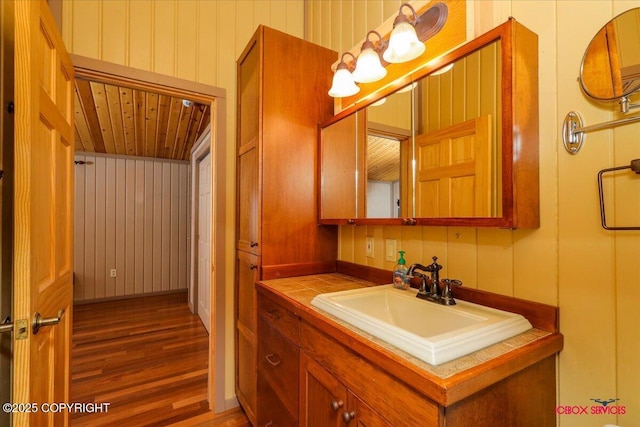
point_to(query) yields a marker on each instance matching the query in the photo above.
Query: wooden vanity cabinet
(314, 374)
(282, 84)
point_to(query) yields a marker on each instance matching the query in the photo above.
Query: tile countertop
(301, 290)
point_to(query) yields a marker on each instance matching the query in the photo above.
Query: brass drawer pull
(272, 359)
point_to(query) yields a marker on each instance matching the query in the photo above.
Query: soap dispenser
(400, 279)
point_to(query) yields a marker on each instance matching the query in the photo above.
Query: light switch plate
(369, 247)
(390, 250)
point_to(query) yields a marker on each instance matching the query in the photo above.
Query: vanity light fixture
(343, 84)
(369, 69)
(404, 44)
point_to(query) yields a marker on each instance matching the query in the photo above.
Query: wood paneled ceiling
(119, 120)
(383, 158)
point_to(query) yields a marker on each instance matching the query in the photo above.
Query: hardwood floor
(146, 357)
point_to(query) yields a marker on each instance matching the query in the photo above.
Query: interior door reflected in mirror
(611, 64)
(388, 156)
(457, 149)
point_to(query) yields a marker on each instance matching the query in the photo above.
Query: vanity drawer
(280, 317)
(271, 411)
(278, 364)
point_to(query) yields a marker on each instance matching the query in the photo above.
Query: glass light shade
(379, 102)
(368, 68)
(442, 70)
(403, 44)
(408, 88)
(343, 84)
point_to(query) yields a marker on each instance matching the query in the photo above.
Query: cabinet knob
(409, 221)
(253, 266)
(253, 244)
(348, 416)
(336, 405)
(351, 221)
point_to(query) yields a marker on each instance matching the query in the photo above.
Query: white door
(204, 240)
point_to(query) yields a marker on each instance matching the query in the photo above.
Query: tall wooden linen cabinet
(282, 97)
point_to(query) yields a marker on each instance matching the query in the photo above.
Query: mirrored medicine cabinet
(453, 143)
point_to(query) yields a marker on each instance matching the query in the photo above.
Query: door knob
(39, 321)
(6, 325)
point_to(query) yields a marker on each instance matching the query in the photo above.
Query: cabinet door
(362, 415)
(247, 269)
(248, 198)
(246, 347)
(340, 196)
(322, 398)
(248, 128)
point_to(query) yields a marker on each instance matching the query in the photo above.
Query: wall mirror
(610, 67)
(387, 155)
(610, 71)
(457, 138)
(453, 144)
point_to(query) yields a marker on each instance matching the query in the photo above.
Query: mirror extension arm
(573, 129)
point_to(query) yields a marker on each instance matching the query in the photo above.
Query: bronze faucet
(434, 294)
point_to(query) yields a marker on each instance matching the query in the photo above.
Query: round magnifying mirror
(610, 67)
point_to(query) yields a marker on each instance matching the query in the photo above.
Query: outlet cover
(113, 272)
(390, 250)
(369, 247)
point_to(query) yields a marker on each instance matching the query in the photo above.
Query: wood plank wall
(131, 214)
(570, 261)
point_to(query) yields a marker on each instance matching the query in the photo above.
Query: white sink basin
(431, 332)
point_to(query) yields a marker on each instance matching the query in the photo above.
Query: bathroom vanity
(317, 370)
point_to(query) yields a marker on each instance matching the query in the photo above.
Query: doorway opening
(213, 99)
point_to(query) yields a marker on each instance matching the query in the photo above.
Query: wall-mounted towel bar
(635, 167)
(573, 129)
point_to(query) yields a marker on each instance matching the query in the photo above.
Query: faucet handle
(454, 282)
(446, 292)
